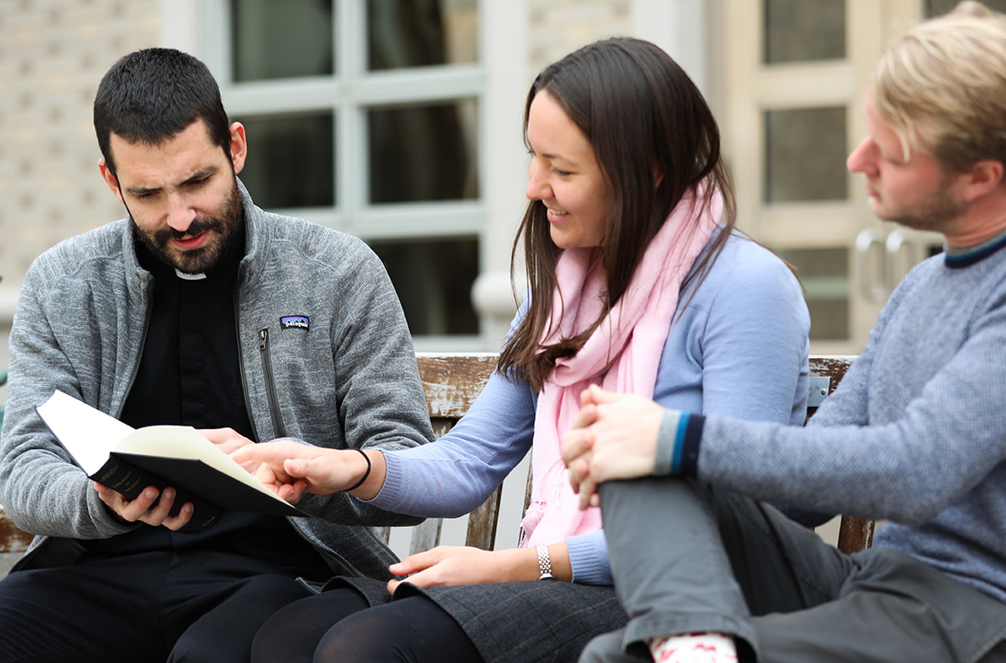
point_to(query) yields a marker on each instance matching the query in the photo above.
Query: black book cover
(128, 460)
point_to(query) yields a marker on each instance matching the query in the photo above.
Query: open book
(128, 460)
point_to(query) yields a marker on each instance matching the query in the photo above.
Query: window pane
(291, 161)
(423, 153)
(421, 33)
(824, 274)
(805, 153)
(802, 30)
(434, 281)
(939, 7)
(281, 39)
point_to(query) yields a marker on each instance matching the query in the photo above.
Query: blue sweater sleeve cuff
(678, 443)
(588, 556)
(388, 496)
(691, 437)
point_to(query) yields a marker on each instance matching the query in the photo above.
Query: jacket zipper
(270, 386)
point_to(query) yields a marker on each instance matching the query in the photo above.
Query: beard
(196, 261)
(935, 215)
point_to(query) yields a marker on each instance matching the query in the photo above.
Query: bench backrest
(452, 382)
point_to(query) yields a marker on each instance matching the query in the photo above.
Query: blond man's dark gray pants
(688, 557)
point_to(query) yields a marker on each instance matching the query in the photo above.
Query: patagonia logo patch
(295, 322)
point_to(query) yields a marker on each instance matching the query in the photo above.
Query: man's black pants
(154, 606)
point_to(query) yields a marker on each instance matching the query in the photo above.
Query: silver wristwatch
(544, 562)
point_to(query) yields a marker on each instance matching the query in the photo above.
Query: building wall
(556, 27)
(52, 55)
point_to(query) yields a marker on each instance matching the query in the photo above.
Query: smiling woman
(566, 177)
(637, 281)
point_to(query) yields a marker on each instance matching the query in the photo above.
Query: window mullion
(420, 84)
(217, 41)
(428, 220)
(352, 148)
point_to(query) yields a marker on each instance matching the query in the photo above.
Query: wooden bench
(452, 382)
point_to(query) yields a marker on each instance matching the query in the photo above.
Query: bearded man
(198, 309)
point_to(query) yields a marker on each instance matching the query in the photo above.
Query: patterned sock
(693, 648)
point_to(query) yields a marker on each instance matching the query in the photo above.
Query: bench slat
(482, 522)
(425, 535)
(452, 382)
(855, 534)
(11, 538)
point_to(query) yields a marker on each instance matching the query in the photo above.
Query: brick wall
(52, 55)
(556, 27)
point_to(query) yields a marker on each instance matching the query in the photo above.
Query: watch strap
(544, 562)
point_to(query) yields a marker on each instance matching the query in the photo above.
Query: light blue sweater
(739, 349)
(915, 433)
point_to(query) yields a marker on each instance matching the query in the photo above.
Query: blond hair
(942, 87)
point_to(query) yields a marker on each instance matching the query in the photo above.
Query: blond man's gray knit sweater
(916, 433)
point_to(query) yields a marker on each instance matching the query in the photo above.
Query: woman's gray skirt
(516, 622)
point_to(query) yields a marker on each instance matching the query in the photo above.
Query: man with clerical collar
(175, 316)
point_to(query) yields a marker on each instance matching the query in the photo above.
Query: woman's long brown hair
(654, 138)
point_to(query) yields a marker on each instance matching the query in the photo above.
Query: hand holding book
(128, 461)
(152, 506)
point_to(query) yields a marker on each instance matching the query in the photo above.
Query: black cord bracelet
(365, 474)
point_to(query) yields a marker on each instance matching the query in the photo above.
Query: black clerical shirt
(189, 373)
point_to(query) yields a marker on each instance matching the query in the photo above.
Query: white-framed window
(368, 116)
(934, 8)
(794, 79)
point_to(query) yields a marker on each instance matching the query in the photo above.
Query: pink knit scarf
(628, 343)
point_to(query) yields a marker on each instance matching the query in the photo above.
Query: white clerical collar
(189, 277)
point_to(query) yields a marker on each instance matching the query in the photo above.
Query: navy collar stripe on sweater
(958, 258)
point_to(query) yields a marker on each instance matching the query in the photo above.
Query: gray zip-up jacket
(326, 358)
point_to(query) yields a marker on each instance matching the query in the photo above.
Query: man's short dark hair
(151, 95)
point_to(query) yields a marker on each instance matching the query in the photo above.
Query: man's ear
(239, 146)
(110, 179)
(982, 178)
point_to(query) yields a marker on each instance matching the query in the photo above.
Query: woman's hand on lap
(457, 565)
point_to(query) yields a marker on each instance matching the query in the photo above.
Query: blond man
(914, 434)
